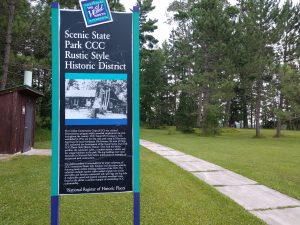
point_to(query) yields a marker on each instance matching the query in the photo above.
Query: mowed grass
(274, 162)
(169, 195)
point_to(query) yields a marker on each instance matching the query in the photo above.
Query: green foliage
(186, 113)
(42, 134)
(42, 139)
(153, 82)
(258, 22)
(290, 81)
(20, 24)
(147, 26)
(115, 5)
(152, 62)
(44, 121)
(211, 124)
(200, 59)
(224, 57)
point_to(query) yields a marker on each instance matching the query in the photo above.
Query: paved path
(267, 204)
(45, 152)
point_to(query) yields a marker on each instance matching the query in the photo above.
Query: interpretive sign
(95, 105)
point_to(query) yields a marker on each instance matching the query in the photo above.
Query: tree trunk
(205, 93)
(244, 102)
(8, 39)
(205, 109)
(227, 114)
(251, 112)
(258, 107)
(278, 126)
(175, 106)
(245, 111)
(199, 110)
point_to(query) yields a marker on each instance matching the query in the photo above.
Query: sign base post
(54, 210)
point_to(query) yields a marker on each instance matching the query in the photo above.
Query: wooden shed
(17, 119)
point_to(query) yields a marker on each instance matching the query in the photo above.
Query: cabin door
(28, 126)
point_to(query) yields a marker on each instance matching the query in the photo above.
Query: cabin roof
(92, 94)
(23, 89)
(81, 93)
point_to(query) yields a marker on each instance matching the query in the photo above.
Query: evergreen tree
(115, 5)
(259, 19)
(286, 51)
(212, 31)
(149, 73)
(153, 92)
(18, 42)
(11, 5)
(290, 89)
(186, 113)
(180, 60)
(147, 26)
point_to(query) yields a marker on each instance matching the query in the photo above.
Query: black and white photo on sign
(95, 99)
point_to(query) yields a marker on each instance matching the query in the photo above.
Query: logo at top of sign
(95, 12)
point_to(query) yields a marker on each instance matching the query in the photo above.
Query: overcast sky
(160, 13)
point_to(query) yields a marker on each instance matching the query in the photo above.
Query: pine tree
(11, 5)
(180, 65)
(186, 113)
(289, 79)
(286, 51)
(212, 31)
(149, 73)
(153, 92)
(115, 5)
(147, 26)
(259, 20)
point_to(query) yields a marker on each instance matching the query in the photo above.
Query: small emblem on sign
(95, 12)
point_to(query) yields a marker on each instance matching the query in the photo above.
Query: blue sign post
(95, 103)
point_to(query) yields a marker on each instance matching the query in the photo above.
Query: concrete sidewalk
(267, 204)
(43, 152)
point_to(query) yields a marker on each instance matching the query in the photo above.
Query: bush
(210, 126)
(185, 117)
(44, 122)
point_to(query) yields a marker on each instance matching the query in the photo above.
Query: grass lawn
(169, 195)
(274, 162)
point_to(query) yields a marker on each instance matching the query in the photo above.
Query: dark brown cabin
(17, 119)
